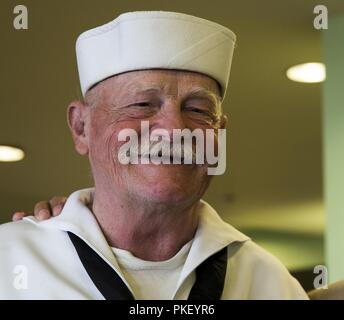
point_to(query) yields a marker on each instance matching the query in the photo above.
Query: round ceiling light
(312, 72)
(9, 154)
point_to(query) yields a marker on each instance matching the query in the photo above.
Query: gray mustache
(164, 150)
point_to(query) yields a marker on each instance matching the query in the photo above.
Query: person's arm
(44, 209)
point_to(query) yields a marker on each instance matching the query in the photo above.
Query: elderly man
(143, 232)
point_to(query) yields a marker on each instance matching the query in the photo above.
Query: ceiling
(273, 185)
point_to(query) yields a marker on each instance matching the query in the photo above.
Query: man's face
(169, 100)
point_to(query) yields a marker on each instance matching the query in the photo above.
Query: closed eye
(141, 104)
(196, 110)
(201, 114)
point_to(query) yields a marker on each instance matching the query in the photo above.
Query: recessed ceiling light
(313, 72)
(9, 154)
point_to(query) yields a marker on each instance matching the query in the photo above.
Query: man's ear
(77, 117)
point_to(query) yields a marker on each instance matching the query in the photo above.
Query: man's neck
(153, 232)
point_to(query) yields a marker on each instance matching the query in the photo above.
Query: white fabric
(155, 39)
(152, 280)
(42, 253)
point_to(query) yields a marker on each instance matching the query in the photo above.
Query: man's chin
(162, 195)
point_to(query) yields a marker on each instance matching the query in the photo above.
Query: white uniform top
(152, 280)
(38, 260)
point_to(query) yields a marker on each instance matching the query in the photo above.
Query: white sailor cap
(155, 40)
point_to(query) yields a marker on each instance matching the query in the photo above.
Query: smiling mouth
(161, 159)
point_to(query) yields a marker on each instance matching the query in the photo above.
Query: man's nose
(170, 118)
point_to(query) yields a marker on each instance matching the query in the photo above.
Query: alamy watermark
(20, 280)
(185, 147)
(21, 20)
(321, 280)
(321, 20)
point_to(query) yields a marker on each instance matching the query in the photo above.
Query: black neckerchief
(210, 274)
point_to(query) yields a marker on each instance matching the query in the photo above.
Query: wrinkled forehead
(170, 82)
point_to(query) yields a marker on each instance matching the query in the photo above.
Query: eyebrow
(193, 92)
(135, 89)
(143, 88)
(202, 92)
(138, 90)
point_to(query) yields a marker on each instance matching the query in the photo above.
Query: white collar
(212, 235)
